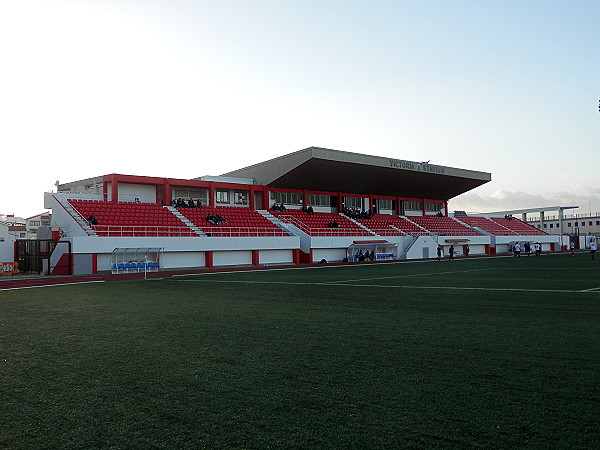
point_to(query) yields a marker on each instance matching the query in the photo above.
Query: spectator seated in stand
(92, 219)
(191, 203)
(355, 213)
(215, 219)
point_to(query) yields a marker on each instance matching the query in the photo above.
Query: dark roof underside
(335, 176)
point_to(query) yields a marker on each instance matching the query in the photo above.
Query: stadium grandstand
(304, 207)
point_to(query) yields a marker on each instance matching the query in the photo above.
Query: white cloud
(587, 198)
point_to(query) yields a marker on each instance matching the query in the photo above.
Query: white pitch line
(453, 288)
(50, 285)
(590, 290)
(409, 276)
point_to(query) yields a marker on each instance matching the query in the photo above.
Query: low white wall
(503, 242)
(276, 257)
(423, 247)
(190, 252)
(7, 251)
(232, 258)
(103, 261)
(329, 254)
(180, 260)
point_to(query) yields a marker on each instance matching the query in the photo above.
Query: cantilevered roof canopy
(321, 169)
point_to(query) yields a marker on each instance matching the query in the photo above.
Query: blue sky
(189, 88)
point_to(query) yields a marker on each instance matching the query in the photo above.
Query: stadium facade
(330, 206)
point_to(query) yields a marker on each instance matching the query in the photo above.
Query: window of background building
(353, 202)
(318, 200)
(222, 196)
(433, 206)
(411, 205)
(201, 194)
(385, 203)
(288, 198)
(240, 197)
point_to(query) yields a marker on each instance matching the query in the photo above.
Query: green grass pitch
(480, 353)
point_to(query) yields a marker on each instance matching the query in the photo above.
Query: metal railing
(177, 231)
(225, 231)
(321, 231)
(142, 231)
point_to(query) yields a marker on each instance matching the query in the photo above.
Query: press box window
(433, 206)
(287, 198)
(410, 205)
(384, 203)
(222, 196)
(318, 200)
(240, 197)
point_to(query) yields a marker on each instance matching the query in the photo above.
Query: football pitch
(490, 352)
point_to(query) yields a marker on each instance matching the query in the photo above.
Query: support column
(208, 259)
(561, 217)
(296, 256)
(211, 194)
(306, 258)
(115, 190)
(255, 258)
(104, 190)
(167, 193)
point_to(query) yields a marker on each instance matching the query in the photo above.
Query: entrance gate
(33, 256)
